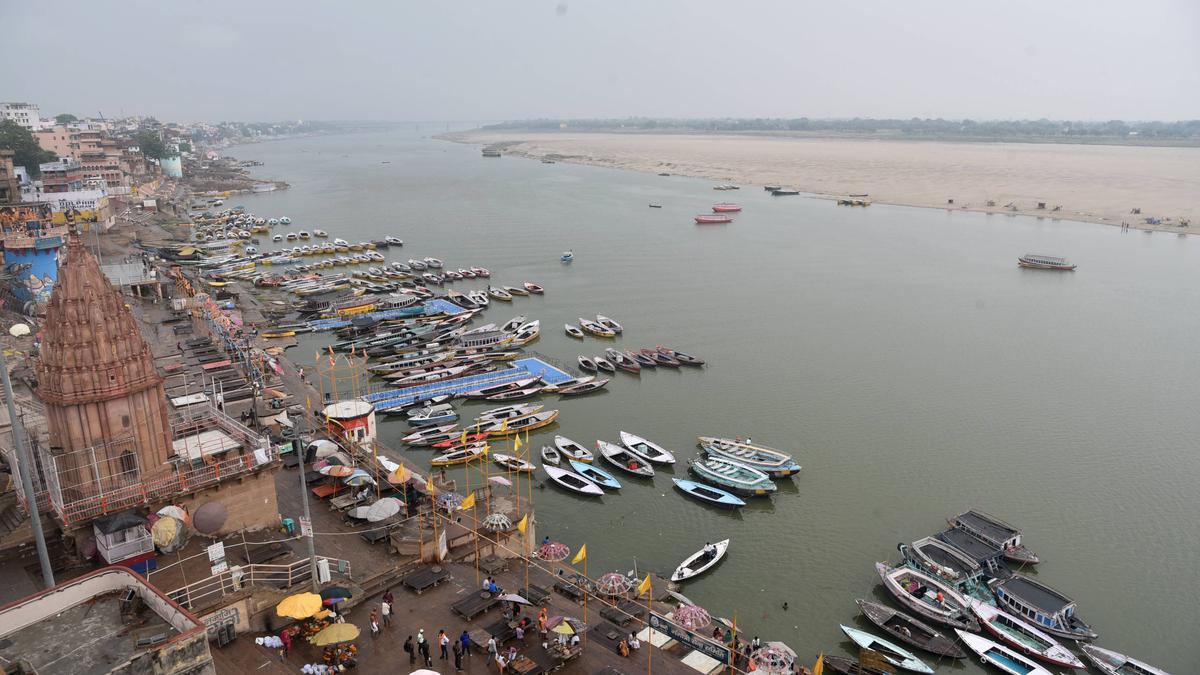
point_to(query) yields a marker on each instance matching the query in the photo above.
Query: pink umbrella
(692, 617)
(553, 551)
(613, 583)
(774, 657)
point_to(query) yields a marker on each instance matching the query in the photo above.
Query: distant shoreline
(1088, 182)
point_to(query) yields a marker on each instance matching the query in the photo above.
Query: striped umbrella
(553, 551)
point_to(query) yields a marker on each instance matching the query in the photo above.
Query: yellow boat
(218, 284)
(356, 309)
(461, 456)
(356, 247)
(342, 249)
(521, 424)
(278, 334)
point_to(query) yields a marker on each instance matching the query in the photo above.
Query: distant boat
(726, 207)
(1044, 262)
(567, 256)
(772, 188)
(713, 219)
(784, 192)
(489, 152)
(656, 206)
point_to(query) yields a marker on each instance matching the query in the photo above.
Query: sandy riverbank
(1093, 183)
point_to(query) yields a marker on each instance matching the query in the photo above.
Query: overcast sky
(508, 59)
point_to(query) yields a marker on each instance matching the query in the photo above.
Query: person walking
(285, 636)
(412, 653)
(423, 647)
(491, 646)
(466, 644)
(374, 625)
(385, 610)
(443, 643)
(458, 656)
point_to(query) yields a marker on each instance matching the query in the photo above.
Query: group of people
(459, 648)
(628, 645)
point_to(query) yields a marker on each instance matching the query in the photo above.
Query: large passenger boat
(995, 532)
(1044, 262)
(1042, 606)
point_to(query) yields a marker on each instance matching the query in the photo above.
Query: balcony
(124, 544)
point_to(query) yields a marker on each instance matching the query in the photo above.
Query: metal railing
(206, 592)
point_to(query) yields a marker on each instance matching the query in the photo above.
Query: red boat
(713, 220)
(726, 207)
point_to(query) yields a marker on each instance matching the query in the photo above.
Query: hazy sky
(506, 59)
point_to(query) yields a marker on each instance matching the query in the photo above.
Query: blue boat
(597, 475)
(708, 494)
(737, 478)
(567, 257)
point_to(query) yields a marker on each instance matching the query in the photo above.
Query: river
(899, 353)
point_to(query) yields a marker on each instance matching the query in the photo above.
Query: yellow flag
(517, 444)
(644, 587)
(463, 439)
(487, 450)
(504, 425)
(467, 503)
(581, 556)
(523, 524)
(819, 666)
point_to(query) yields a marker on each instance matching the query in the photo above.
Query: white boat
(701, 561)
(572, 450)
(277, 238)
(341, 242)
(609, 324)
(320, 233)
(572, 481)
(1000, 656)
(889, 651)
(1022, 636)
(513, 463)
(928, 597)
(508, 412)
(624, 459)
(1115, 663)
(479, 297)
(551, 455)
(394, 241)
(647, 450)
(567, 256)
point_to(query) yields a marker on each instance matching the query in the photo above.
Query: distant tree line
(914, 127)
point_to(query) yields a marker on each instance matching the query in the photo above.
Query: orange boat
(716, 219)
(726, 207)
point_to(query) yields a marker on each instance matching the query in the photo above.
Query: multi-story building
(65, 175)
(10, 185)
(60, 139)
(26, 114)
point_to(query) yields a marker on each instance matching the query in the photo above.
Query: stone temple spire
(96, 373)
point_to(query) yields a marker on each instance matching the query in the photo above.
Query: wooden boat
(604, 364)
(642, 360)
(784, 192)
(432, 415)
(272, 334)
(1115, 663)
(909, 630)
(927, 596)
(500, 294)
(661, 358)
(624, 459)
(620, 360)
(479, 298)
(517, 425)
(459, 455)
(573, 331)
(708, 494)
(417, 437)
(500, 388)
(595, 474)
(595, 328)
(516, 394)
(685, 359)
(656, 206)
(572, 450)
(587, 364)
(647, 450)
(1052, 611)
(459, 441)
(1022, 636)
(997, 533)
(774, 463)
(551, 455)
(943, 560)
(890, 652)
(726, 207)
(513, 290)
(572, 481)
(1000, 656)
(772, 188)
(1044, 262)
(844, 666)
(533, 288)
(701, 561)
(508, 412)
(714, 219)
(609, 324)
(583, 387)
(513, 463)
(729, 475)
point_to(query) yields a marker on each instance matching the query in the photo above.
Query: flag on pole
(581, 556)
(644, 587)
(463, 438)
(819, 667)
(467, 503)
(517, 443)
(524, 523)
(504, 425)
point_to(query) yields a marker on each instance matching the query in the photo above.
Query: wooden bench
(328, 490)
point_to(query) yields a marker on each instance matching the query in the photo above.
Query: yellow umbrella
(564, 628)
(400, 475)
(164, 531)
(299, 606)
(335, 633)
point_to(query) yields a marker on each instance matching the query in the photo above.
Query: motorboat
(586, 363)
(573, 331)
(551, 455)
(997, 533)
(572, 450)
(610, 324)
(1052, 611)
(774, 463)
(888, 651)
(701, 561)
(572, 481)
(583, 387)
(647, 450)
(708, 494)
(714, 219)
(910, 630)
(1045, 262)
(602, 364)
(533, 288)
(726, 207)
(1022, 636)
(624, 459)
(508, 412)
(1000, 656)
(460, 455)
(513, 463)
(732, 476)
(927, 596)
(432, 415)
(1115, 663)
(595, 474)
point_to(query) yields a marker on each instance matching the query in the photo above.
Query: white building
(26, 114)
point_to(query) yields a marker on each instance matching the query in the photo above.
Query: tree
(151, 144)
(27, 152)
(65, 118)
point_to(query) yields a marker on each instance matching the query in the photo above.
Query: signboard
(305, 527)
(680, 634)
(219, 567)
(216, 552)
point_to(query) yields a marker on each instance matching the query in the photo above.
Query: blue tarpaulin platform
(522, 368)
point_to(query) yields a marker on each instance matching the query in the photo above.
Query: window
(125, 421)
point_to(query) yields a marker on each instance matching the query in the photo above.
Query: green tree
(65, 118)
(151, 144)
(27, 152)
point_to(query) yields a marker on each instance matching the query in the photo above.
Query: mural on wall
(33, 273)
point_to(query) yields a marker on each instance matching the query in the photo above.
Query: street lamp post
(25, 466)
(291, 433)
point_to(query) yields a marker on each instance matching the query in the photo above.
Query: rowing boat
(708, 494)
(774, 463)
(620, 360)
(1115, 663)
(572, 481)
(737, 478)
(517, 425)
(610, 324)
(595, 474)
(603, 364)
(1000, 656)
(892, 653)
(583, 387)
(418, 437)
(595, 329)
(508, 412)
(647, 450)
(551, 455)
(459, 456)
(624, 459)
(587, 364)
(572, 450)
(927, 596)
(573, 331)
(910, 630)
(516, 394)
(701, 561)
(513, 463)
(685, 359)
